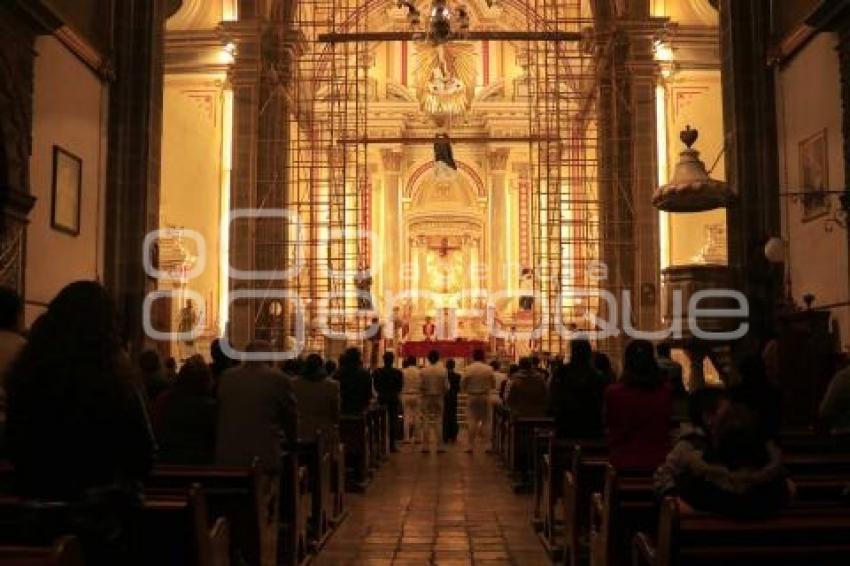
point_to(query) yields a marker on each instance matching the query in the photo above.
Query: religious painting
(814, 176)
(67, 192)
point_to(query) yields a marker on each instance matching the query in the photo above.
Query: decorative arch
(416, 177)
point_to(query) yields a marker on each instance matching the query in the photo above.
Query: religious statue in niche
(188, 319)
(445, 78)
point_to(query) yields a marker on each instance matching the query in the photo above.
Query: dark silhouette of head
(496, 365)
(150, 362)
(74, 356)
(351, 358)
(450, 364)
(478, 355)
(581, 352)
(526, 363)
(314, 367)
(194, 377)
(409, 362)
(663, 350)
(433, 356)
(330, 367)
(389, 359)
(640, 368)
(11, 309)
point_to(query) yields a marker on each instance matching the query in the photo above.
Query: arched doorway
(446, 224)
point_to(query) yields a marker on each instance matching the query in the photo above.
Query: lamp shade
(691, 189)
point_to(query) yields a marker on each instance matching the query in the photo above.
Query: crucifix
(444, 250)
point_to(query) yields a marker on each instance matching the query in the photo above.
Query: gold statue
(445, 78)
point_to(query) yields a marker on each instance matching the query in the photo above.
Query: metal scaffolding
(328, 170)
(565, 208)
(329, 192)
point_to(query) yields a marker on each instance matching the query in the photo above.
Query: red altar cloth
(447, 348)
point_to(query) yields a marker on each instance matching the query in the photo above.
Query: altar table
(446, 348)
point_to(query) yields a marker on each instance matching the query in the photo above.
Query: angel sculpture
(445, 78)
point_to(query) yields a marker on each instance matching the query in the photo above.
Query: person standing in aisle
(434, 385)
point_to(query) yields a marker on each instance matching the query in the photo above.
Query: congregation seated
(527, 395)
(219, 364)
(256, 413)
(78, 431)
(731, 470)
(603, 365)
(355, 385)
(638, 412)
(184, 417)
(576, 393)
(672, 372)
(153, 375)
(317, 398)
(759, 392)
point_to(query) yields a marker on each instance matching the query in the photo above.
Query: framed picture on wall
(814, 175)
(67, 191)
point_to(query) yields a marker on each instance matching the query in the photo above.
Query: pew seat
(796, 536)
(64, 552)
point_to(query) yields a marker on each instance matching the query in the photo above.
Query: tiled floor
(447, 509)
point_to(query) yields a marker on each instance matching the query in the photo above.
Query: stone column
(19, 25)
(390, 241)
(497, 254)
(260, 77)
(751, 153)
(133, 166)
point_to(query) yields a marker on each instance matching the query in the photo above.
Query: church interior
(253, 253)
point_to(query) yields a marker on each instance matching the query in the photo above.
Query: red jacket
(638, 425)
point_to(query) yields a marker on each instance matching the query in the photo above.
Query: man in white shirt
(478, 384)
(410, 400)
(434, 385)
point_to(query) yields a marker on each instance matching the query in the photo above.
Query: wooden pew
(558, 457)
(232, 493)
(316, 458)
(295, 503)
(64, 552)
(798, 536)
(521, 453)
(172, 528)
(627, 505)
(501, 430)
(355, 436)
(817, 463)
(337, 452)
(586, 474)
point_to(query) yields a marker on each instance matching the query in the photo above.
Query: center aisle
(446, 509)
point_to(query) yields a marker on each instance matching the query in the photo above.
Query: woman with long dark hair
(638, 412)
(77, 427)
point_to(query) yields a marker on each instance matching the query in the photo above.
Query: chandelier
(446, 20)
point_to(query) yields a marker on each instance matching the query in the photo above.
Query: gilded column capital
(497, 159)
(392, 160)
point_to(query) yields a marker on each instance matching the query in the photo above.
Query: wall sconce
(835, 215)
